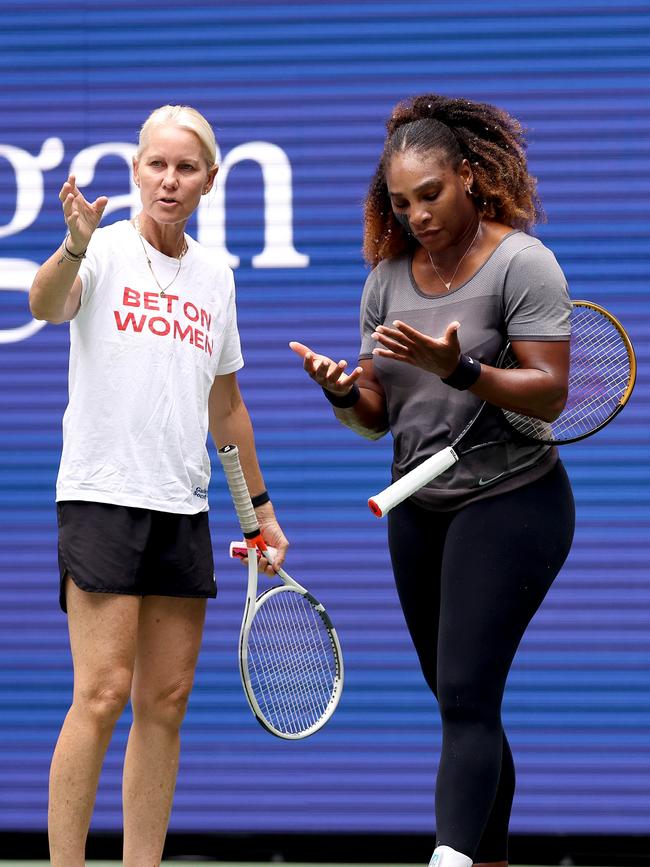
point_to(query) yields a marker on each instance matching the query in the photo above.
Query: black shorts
(137, 552)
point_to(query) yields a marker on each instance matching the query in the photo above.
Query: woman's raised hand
(402, 342)
(81, 217)
(326, 372)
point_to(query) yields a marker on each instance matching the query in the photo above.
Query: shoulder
(395, 265)
(523, 250)
(108, 245)
(377, 288)
(535, 293)
(113, 233)
(106, 253)
(388, 271)
(526, 262)
(213, 262)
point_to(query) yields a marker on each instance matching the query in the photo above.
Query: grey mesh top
(519, 293)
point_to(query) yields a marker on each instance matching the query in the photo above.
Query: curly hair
(486, 136)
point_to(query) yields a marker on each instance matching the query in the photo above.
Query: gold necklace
(163, 289)
(439, 275)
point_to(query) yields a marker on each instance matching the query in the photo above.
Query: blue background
(318, 80)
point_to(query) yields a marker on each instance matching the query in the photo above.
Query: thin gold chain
(439, 275)
(163, 289)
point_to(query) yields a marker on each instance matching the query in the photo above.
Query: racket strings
(600, 367)
(288, 675)
(278, 638)
(599, 376)
(291, 662)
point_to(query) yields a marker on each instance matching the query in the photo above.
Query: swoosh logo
(493, 479)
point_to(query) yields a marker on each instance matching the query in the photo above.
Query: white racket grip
(426, 472)
(229, 456)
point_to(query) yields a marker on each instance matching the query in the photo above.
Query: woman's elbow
(555, 404)
(45, 316)
(43, 311)
(35, 308)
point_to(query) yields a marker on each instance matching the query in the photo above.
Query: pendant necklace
(439, 275)
(163, 289)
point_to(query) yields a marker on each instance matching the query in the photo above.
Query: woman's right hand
(326, 372)
(81, 217)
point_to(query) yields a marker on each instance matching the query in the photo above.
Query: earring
(468, 190)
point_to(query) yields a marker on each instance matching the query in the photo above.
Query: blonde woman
(154, 351)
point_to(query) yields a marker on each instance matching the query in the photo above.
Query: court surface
(205, 864)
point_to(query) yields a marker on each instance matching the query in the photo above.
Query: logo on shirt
(201, 493)
(483, 481)
(192, 325)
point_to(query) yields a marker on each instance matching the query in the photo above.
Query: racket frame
(256, 546)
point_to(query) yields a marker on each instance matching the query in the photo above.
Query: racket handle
(426, 472)
(239, 550)
(229, 456)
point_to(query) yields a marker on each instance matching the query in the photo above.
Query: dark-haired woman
(474, 553)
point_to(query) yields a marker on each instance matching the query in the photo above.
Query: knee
(105, 698)
(165, 707)
(468, 703)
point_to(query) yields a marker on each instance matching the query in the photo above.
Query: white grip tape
(229, 456)
(426, 472)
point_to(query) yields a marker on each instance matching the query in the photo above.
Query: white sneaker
(445, 856)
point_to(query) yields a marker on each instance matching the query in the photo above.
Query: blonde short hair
(184, 117)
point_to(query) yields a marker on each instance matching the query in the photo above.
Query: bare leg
(102, 640)
(169, 638)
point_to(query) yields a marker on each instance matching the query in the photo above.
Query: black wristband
(343, 400)
(465, 375)
(260, 499)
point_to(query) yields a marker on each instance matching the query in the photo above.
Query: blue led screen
(298, 93)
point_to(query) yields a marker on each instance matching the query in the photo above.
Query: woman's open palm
(325, 371)
(81, 217)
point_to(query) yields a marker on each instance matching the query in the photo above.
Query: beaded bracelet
(69, 258)
(465, 375)
(72, 257)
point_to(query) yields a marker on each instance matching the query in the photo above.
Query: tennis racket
(602, 373)
(290, 658)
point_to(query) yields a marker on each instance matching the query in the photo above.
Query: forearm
(536, 386)
(234, 428)
(51, 295)
(528, 392)
(230, 424)
(367, 417)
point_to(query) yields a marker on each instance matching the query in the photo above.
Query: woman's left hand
(404, 343)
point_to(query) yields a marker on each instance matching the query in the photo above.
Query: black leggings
(469, 582)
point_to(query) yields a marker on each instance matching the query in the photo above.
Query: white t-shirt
(141, 369)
